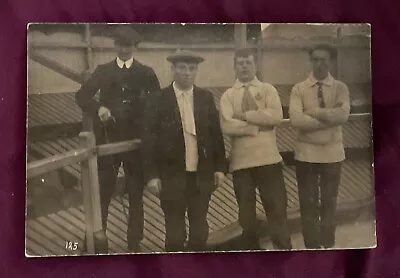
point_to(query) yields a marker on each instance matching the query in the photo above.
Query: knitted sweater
(253, 138)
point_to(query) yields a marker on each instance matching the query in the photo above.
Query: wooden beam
(89, 51)
(119, 147)
(96, 239)
(240, 30)
(56, 161)
(57, 67)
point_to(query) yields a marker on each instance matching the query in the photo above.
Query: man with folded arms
(319, 106)
(250, 110)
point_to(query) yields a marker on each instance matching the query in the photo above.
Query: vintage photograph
(164, 138)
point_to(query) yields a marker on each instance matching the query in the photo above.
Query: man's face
(321, 63)
(184, 73)
(245, 68)
(124, 51)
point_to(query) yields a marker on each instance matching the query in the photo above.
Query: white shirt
(128, 63)
(191, 151)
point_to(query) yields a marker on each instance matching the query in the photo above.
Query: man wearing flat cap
(184, 153)
(123, 84)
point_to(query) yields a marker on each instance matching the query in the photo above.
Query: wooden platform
(47, 235)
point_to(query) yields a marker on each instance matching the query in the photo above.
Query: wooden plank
(39, 250)
(44, 117)
(55, 66)
(118, 147)
(240, 32)
(115, 243)
(51, 111)
(153, 216)
(70, 218)
(48, 233)
(229, 205)
(55, 162)
(152, 227)
(150, 231)
(71, 228)
(49, 244)
(30, 253)
(91, 196)
(53, 148)
(59, 230)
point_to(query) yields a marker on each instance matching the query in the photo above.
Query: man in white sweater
(319, 106)
(250, 110)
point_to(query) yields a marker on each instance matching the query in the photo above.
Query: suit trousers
(195, 204)
(318, 189)
(108, 168)
(133, 170)
(270, 183)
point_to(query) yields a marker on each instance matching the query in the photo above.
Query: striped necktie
(321, 100)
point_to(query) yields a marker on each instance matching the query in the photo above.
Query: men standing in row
(184, 153)
(319, 106)
(124, 84)
(250, 110)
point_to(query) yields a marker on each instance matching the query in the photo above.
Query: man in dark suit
(184, 153)
(123, 84)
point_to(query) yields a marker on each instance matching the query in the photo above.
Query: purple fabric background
(381, 262)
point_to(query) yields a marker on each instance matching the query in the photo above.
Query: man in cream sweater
(318, 108)
(250, 110)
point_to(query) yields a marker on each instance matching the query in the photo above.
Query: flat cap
(184, 56)
(125, 35)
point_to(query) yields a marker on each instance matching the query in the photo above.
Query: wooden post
(87, 120)
(240, 35)
(96, 239)
(89, 51)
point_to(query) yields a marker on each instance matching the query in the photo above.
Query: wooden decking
(47, 235)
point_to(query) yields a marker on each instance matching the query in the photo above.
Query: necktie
(248, 102)
(188, 117)
(321, 100)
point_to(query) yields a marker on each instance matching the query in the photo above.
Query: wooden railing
(87, 155)
(96, 241)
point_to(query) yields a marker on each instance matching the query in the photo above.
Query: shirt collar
(121, 63)
(328, 81)
(179, 92)
(255, 82)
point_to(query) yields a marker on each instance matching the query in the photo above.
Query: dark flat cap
(123, 34)
(184, 56)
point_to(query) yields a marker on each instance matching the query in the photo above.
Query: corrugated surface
(50, 109)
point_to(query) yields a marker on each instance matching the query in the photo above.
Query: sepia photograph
(147, 138)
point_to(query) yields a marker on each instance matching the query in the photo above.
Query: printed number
(71, 245)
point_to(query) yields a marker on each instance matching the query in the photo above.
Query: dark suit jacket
(163, 143)
(123, 92)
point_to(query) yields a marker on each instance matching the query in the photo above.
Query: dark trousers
(271, 186)
(133, 170)
(318, 189)
(196, 205)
